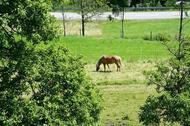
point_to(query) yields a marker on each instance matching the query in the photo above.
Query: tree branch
(169, 49)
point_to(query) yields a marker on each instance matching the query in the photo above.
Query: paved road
(128, 15)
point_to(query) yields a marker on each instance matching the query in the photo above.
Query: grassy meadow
(92, 48)
(123, 92)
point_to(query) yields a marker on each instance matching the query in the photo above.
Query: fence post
(122, 23)
(151, 38)
(80, 32)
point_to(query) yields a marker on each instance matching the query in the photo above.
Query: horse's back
(110, 59)
(117, 57)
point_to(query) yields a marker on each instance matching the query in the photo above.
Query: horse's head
(97, 67)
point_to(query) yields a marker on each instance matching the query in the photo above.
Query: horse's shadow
(103, 71)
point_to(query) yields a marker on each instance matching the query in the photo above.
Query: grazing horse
(106, 60)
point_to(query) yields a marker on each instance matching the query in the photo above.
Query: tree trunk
(82, 18)
(180, 31)
(181, 20)
(63, 14)
(83, 24)
(122, 23)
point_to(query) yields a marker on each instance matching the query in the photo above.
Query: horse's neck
(99, 62)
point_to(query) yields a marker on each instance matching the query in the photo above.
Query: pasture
(130, 50)
(123, 92)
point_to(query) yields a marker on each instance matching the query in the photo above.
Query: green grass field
(123, 92)
(134, 29)
(92, 48)
(121, 104)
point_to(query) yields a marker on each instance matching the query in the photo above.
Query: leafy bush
(63, 88)
(162, 37)
(171, 104)
(40, 84)
(158, 37)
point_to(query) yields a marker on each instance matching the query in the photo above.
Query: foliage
(58, 4)
(117, 5)
(90, 7)
(153, 3)
(171, 105)
(64, 89)
(158, 37)
(172, 84)
(40, 85)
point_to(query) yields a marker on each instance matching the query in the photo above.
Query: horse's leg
(104, 67)
(118, 66)
(108, 67)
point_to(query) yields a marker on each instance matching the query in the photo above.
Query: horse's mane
(102, 57)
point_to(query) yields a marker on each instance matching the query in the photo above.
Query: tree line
(130, 3)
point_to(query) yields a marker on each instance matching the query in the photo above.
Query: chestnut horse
(106, 60)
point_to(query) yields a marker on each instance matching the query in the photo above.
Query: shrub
(158, 37)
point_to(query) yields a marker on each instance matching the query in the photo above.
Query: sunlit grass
(131, 73)
(92, 48)
(134, 29)
(122, 103)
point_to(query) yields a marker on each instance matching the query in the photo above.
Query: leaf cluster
(40, 84)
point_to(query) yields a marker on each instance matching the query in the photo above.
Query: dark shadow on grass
(103, 71)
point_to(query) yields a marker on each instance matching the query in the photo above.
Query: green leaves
(172, 101)
(30, 19)
(117, 5)
(40, 84)
(166, 108)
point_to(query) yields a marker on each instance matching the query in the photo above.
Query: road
(128, 15)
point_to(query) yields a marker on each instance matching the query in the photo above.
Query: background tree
(40, 84)
(118, 6)
(153, 3)
(61, 5)
(172, 80)
(88, 8)
(135, 2)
